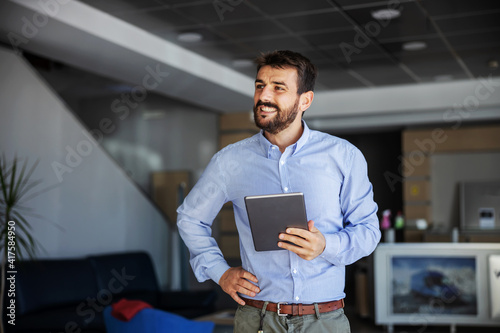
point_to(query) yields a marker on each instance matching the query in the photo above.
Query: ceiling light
(443, 78)
(242, 63)
(386, 14)
(153, 114)
(414, 46)
(189, 37)
(493, 64)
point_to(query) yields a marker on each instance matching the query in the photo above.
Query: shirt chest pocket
(322, 198)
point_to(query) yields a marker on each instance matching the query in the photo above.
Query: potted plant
(16, 239)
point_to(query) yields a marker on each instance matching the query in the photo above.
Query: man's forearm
(206, 258)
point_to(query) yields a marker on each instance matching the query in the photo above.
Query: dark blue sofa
(69, 295)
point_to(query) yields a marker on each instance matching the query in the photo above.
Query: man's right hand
(237, 280)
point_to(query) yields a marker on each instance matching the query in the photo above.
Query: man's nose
(266, 94)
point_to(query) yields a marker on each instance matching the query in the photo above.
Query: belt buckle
(278, 309)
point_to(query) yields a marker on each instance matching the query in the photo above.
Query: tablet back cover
(270, 215)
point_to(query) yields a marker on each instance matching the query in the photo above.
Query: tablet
(270, 215)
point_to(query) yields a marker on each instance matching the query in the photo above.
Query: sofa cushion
(130, 275)
(155, 321)
(46, 284)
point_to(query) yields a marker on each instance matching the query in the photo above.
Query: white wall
(94, 207)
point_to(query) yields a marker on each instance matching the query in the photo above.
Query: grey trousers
(247, 320)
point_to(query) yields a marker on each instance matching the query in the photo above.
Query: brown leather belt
(284, 309)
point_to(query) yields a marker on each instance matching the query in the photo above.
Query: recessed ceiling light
(153, 114)
(443, 78)
(414, 46)
(242, 63)
(189, 37)
(386, 14)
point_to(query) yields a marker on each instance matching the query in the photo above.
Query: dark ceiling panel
(331, 38)
(477, 60)
(209, 13)
(337, 79)
(316, 56)
(381, 72)
(278, 43)
(321, 21)
(411, 23)
(470, 23)
(454, 7)
(346, 57)
(280, 7)
(254, 29)
(468, 40)
(432, 66)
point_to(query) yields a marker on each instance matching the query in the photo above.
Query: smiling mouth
(267, 109)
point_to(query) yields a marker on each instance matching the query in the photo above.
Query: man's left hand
(310, 243)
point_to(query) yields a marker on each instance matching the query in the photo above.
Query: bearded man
(300, 289)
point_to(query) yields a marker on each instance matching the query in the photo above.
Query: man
(286, 156)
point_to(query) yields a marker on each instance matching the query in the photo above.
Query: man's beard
(281, 121)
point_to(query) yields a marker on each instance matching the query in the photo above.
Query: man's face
(276, 103)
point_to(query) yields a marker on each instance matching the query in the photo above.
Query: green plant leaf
(24, 185)
(16, 185)
(3, 175)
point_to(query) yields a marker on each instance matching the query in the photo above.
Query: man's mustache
(269, 104)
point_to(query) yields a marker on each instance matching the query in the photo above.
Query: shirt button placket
(297, 283)
(283, 175)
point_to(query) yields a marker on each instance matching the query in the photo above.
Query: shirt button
(294, 271)
(282, 162)
(296, 298)
(286, 189)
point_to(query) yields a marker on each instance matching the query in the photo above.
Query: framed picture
(425, 284)
(430, 285)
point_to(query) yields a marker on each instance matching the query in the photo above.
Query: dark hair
(306, 71)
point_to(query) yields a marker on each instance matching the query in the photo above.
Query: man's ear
(306, 100)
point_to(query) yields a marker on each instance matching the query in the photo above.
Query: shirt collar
(267, 146)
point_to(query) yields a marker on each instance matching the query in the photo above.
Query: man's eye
(279, 88)
(259, 86)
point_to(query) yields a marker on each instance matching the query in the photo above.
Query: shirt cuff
(216, 272)
(331, 248)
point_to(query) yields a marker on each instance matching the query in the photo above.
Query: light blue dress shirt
(331, 173)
